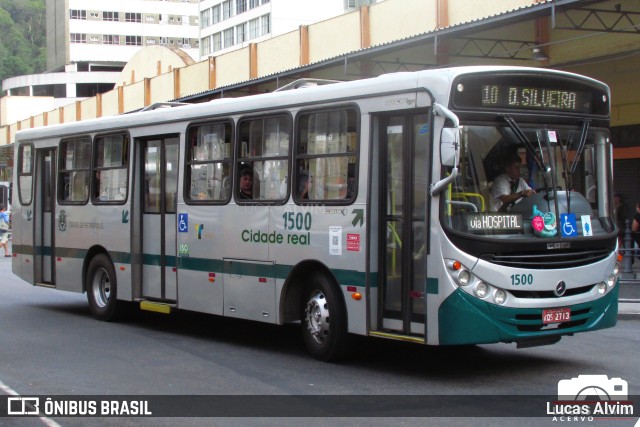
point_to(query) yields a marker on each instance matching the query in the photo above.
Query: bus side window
(264, 150)
(73, 170)
(111, 168)
(326, 156)
(208, 168)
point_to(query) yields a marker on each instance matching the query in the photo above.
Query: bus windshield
(531, 181)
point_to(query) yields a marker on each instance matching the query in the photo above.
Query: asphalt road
(50, 346)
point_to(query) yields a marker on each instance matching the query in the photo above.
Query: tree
(22, 37)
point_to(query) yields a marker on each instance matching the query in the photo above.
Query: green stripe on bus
(278, 271)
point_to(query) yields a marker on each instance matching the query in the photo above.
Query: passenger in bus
(246, 184)
(508, 188)
(304, 182)
(4, 234)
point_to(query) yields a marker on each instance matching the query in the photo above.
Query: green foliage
(22, 37)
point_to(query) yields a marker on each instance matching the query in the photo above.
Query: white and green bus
(360, 207)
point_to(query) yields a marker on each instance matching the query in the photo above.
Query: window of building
(110, 39)
(133, 17)
(228, 37)
(25, 173)
(205, 18)
(227, 10)
(254, 3)
(241, 6)
(110, 16)
(241, 33)
(216, 42)
(208, 170)
(254, 28)
(205, 46)
(133, 40)
(215, 14)
(77, 14)
(94, 15)
(73, 174)
(265, 1)
(77, 38)
(110, 167)
(150, 18)
(263, 159)
(265, 24)
(325, 158)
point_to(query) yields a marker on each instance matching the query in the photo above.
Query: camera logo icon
(593, 388)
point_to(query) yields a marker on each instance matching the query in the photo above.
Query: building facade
(227, 25)
(104, 33)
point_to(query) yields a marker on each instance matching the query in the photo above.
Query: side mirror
(449, 143)
(449, 148)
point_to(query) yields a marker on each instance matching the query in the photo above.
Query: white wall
(16, 108)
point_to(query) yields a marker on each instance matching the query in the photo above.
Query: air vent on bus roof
(304, 83)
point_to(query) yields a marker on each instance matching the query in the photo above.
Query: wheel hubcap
(317, 317)
(101, 288)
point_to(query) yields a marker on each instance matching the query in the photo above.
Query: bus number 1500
(521, 279)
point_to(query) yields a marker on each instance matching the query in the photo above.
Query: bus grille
(550, 294)
(546, 260)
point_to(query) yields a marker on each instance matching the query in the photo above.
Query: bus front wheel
(102, 289)
(324, 320)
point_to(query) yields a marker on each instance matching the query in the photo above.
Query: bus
(351, 208)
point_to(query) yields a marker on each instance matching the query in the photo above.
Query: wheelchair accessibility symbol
(183, 223)
(569, 227)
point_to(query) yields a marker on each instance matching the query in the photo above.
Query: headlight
(602, 288)
(481, 290)
(464, 277)
(500, 296)
(611, 281)
(616, 269)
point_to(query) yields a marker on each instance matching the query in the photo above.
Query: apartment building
(104, 33)
(226, 25)
(90, 41)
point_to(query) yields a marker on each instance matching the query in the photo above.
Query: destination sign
(492, 92)
(521, 97)
(497, 222)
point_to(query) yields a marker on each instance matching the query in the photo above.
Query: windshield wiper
(537, 158)
(586, 123)
(566, 174)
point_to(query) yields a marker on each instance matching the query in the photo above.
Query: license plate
(556, 315)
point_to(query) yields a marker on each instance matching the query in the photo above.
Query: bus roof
(436, 81)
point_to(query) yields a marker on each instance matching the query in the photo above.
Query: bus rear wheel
(102, 289)
(324, 320)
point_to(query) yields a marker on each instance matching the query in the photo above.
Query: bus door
(404, 167)
(44, 217)
(158, 187)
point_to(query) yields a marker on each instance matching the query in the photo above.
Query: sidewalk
(629, 309)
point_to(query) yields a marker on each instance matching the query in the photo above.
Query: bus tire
(102, 289)
(324, 320)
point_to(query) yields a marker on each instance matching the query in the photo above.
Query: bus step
(157, 307)
(397, 337)
(45, 284)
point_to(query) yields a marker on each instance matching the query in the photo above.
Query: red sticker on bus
(353, 242)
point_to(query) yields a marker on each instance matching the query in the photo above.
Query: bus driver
(508, 188)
